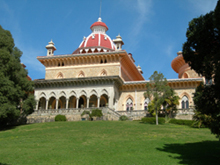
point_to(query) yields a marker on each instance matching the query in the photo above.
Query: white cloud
(143, 7)
(202, 6)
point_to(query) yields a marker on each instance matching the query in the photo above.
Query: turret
(118, 42)
(139, 69)
(50, 48)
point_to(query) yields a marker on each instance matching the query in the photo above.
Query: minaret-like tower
(118, 42)
(50, 48)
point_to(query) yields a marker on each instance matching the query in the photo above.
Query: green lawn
(107, 142)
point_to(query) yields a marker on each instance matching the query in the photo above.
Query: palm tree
(171, 102)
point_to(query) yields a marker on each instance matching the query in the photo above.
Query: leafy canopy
(202, 52)
(15, 88)
(158, 90)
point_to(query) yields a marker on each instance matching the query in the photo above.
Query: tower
(118, 42)
(50, 48)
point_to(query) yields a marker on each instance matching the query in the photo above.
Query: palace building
(100, 74)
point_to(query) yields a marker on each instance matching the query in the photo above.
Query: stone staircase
(43, 115)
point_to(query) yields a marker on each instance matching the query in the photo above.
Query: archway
(103, 100)
(42, 103)
(93, 101)
(62, 103)
(82, 102)
(72, 102)
(52, 103)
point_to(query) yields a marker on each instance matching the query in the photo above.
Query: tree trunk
(156, 117)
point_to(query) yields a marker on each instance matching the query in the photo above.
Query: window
(185, 102)
(129, 105)
(146, 102)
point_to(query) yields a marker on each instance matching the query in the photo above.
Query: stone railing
(73, 114)
(134, 114)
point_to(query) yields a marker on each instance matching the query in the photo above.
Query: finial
(99, 19)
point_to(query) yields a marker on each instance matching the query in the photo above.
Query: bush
(123, 118)
(60, 118)
(86, 112)
(96, 113)
(182, 122)
(152, 120)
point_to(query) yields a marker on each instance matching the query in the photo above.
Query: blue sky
(152, 30)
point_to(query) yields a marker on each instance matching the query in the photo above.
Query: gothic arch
(72, 93)
(93, 92)
(127, 97)
(60, 75)
(104, 91)
(83, 92)
(187, 95)
(81, 74)
(103, 73)
(62, 93)
(52, 94)
(42, 94)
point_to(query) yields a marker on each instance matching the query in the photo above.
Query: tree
(202, 52)
(158, 89)
(171, 102)
(15, 98)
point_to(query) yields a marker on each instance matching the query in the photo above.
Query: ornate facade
(100, 74)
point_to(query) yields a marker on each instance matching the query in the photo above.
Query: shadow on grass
(201, 153)
(5, 128)
(4, 164)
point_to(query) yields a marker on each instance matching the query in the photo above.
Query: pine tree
(16, 99)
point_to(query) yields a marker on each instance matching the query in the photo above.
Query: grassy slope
(107, 142)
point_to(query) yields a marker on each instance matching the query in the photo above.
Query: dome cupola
(99, 26)
(97, 41)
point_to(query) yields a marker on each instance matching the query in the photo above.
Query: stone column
(87, 102)
(57, 100)
(37, 102)
(108, 101)
(46, 104)
(77, 102)
(98, 102)
(67, 102)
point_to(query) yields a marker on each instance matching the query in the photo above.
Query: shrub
(181, 122)
(96, 113)
(86, 112)
(123, 118)
(60, 118)
(152, 120)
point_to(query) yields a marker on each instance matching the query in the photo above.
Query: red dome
(99, 24)
(98, 40)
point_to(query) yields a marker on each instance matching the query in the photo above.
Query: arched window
(101, 61)
(146, 102)
(129, 105)
(185, 102)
